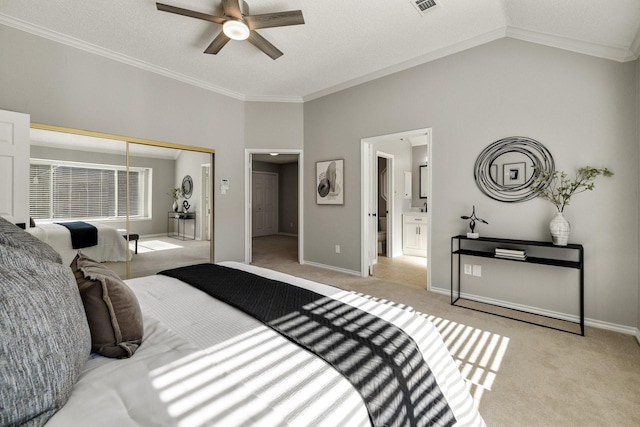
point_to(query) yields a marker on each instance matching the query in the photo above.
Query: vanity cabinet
(414, 234)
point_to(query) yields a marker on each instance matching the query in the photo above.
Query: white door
(370, 223)
(14, 166)
(264, 204)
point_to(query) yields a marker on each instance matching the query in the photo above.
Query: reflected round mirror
(505, 169)
(187, 186)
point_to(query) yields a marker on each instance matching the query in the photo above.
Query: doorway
(273, 201)
(404, 192)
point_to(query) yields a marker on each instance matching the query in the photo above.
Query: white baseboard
(629, 330)
(151, 236)
(331, 267)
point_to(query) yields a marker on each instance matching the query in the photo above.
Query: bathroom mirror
(505, 170)
(424, 182)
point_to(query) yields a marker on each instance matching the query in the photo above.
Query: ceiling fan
(238, 26)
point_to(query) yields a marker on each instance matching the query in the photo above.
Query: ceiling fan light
(236, 30)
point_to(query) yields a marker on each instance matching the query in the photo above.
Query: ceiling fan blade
(217, 44)
(278, 19)
(190, 13)
(264, 45)
(232, 8)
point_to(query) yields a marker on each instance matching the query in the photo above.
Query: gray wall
(278, 126)
(272, 125)
(63, 86)
(288, 200)
(582, 108)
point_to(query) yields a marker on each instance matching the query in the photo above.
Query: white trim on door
(390, 201)
(367, 168)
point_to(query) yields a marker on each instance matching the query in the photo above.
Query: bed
(111, 246)
(199, 361)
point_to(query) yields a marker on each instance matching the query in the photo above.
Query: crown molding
(481, 39)
(614, 53)
(619, 54)
(97, 50)
(289, 99)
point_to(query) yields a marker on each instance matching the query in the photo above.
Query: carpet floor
(518, 374)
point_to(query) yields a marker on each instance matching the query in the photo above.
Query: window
(67, 190)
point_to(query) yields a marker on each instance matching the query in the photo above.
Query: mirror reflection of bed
(153, 172)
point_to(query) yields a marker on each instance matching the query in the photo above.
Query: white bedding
(203, 362)
(111, 247)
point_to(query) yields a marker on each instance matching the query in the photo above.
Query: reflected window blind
(134, 193)
(60, 192)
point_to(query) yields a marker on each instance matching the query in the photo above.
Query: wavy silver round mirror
(506, 169)
(187, 186)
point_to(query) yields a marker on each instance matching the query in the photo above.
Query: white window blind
(79, 191)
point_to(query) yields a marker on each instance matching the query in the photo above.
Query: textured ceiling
(342, 43)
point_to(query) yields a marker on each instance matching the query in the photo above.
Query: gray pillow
(13, 236)
(44, 337)
(113, 311)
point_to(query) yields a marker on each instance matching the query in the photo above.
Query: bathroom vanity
(414, 233)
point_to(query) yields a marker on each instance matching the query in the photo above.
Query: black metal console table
(485, 247)
(181, 218)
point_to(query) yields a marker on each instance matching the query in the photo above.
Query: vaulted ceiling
(342, 43)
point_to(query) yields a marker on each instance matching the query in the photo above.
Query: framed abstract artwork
(514, 174)
(330, 182)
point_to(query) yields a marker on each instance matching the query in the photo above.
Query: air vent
(423, 5)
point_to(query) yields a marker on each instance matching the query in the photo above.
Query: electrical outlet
(337, 249)
(468, 269)
(477, 270)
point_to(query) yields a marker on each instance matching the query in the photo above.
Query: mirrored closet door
(155, 197)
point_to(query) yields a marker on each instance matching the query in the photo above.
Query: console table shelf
(555, 256)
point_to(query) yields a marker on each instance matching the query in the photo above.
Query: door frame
(248, 156)
(205, 208)
(368, 161)
(277, 194)
(14, 162)
(390, 200)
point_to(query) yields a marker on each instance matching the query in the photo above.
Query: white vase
(175, 205)
(560, 229)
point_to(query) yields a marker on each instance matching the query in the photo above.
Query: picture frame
(513, 174)
(330, 182)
